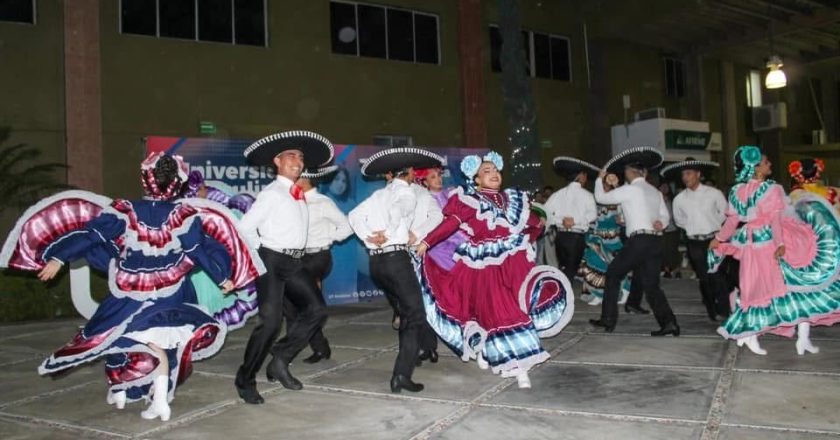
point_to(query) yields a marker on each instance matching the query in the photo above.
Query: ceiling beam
(747, 11)
(779, 7)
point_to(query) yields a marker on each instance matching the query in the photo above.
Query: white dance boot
(482, 363)
(803, 342)
(752, 343)
(624, 295)
(117, 399)
(160, 406)
(595, 301)
(523, 380)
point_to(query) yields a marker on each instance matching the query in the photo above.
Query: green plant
(24, 179)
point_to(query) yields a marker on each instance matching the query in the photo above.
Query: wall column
(470, 31)
(83, 94)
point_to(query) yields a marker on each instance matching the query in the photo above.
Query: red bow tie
(296, 192)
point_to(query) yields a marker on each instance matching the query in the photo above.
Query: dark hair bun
(166, 170)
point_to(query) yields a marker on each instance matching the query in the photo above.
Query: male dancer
(700, 210)
(383, 224)
(645, 215)
(571, 210)
(277, 225)
(327, 225)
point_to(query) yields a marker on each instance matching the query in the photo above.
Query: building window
(223, 21)
(391, 140)
(754, 89)
(546, 55)
(18, 11)
(674, 78)
(383, 32)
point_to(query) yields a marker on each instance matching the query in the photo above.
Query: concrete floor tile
(693, 352)
(506, 424)
(781, 355)
(21, 380)
(15, 430)
(784, 400)
(732, 433)
(317, 415)
(648, 392)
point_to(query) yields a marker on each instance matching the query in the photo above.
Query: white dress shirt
(276, 220)
(700, 211)
(390, 209)
(427, 214)
(327, 224)
(572, 201)
(641, 203)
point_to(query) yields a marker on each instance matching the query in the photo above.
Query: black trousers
(394, 274)
(284, 278)
(641, 254)
(318, 266)
(570, 247)
(713, 286)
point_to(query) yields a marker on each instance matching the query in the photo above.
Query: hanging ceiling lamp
(776, 78)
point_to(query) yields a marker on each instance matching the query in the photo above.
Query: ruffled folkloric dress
(830, 193)
(803, 285)
(495, 300)
(602, 245)
(234, 309)
(148, 249)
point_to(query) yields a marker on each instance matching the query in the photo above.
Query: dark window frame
(196, 25)
(34, 21)
(387, 8)
(531, 53)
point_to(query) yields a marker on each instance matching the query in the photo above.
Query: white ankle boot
(523, 380)
(752, 343)
(595, 301)
(803, 342)
(116, 398)
(624, 295)
(160, 406)
(482, 363)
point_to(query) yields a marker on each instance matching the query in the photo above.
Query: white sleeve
(341, 226)
(680, 216)
(720, 206)
(401, 211)
(664, 215)
(590, 210)
(358, 220)
(613, 197)
(261, 210)
(550, 208)
(429, 218)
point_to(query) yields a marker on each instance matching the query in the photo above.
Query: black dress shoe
(400, 382)
(599, 323)
(669, 329)
(278, 370)
(433, 356)
(317, 356)
(635, 310)
(250, 395)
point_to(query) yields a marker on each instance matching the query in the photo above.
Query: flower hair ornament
(147, 177)
(750, 156)
(471, 164)
(796, 167)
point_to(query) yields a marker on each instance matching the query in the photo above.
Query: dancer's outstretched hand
(50, 270)
(421, 249)
(780, 251)
(227, 287)
(714, 244)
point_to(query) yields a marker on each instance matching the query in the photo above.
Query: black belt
(294, 253)
(702, 237)
(644, 232)
(388, 249)
(316, 250)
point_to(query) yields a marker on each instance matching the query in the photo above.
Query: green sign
(207, 127)
(686, 139)
(546, 143)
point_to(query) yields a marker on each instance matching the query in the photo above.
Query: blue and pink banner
(221, 161)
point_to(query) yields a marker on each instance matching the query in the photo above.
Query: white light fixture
(776, 78)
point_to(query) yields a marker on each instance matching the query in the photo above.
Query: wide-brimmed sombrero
(645, 157)
(394, 159)
(673, 171)
(317, 150)
(565, 166)
(315, 173)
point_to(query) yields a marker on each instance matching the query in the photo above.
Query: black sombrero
(394, 159)
(645, 157)
(316, 173)
(317, 150)
(565, 166)
(673, 170)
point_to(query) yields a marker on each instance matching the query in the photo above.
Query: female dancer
(789, 263)
(602, 245)
(806, 175)
(148, 328)
(495, 303)
(443, 253)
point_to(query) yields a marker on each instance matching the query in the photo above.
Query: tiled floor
(624, 385)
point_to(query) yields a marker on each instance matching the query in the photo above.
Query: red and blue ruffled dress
(495, 300)
(148, 249)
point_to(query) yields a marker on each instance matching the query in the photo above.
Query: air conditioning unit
(389, 140)
(651, 113)
(769, 117)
